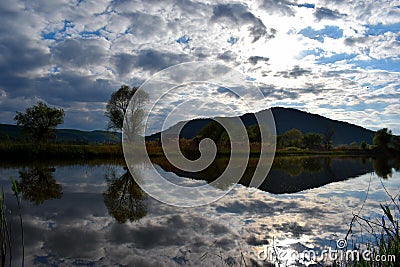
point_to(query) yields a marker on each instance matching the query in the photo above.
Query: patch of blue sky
(232, 40)
(380, 29)
(356, 107)
(49, 36)
(314, 52)
(336, 57)
(90, 34)
(329, 31)
(184, 39)
(306, 5)
(375, 87)
(58, 35)
(282, 103)
(227, 91)
(252, 79)
(398, 38)
(387, 64)
(55, 69)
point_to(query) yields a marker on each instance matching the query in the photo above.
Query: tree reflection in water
(383, 166)
(37, 184)
(124, 198)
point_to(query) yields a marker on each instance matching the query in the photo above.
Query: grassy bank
(27, 151)
(190, 148)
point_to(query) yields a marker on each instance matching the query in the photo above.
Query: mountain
(8, 131)
(286, 119)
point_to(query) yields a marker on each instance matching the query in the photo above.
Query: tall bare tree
(117, 106)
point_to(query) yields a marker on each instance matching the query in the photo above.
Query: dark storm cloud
(65, 90)
(80, 52)
(18, 57)
(227, 56)
(281, 6)
(255, 59)
(239, 14)
(18, 54)
(279, 93)
(276, 93)
(350, 41)
(123, 63)
(297, 71)
(201, 53)
(326, 13)
(259, 32)
(154, 60)
(26, 76)
(68, 86)
(144, 25)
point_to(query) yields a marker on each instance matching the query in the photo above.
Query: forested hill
(289, 118)
(285, 119)
(13, 132)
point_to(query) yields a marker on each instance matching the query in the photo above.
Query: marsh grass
(385, 245)
(6, 232)
(22, 151)
(383, 236)
(190, 148)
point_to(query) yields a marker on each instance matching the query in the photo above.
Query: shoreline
(29, 151)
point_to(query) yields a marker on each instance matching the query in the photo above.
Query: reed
(6, 233)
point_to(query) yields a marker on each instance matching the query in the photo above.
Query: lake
(94, 214)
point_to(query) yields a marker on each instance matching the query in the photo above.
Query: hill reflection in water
(293, 174)
(100, 217)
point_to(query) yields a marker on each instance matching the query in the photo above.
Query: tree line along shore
(39, 122)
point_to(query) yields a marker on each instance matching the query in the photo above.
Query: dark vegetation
(39, 122)
(297, 132)
(117, 106)
(14, 134)
(31, 151)
(337, 132)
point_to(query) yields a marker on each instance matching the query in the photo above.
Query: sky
(339, 59)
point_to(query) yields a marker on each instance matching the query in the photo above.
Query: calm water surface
(95, 214)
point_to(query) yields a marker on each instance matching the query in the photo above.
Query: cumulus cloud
(74, 52)
(239, 15)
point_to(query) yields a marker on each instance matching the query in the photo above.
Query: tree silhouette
(38, 184)
(124, 198)
(382, 138)
(40, 121)
(312, 140)
(118, 107)
(291, 138)
(327, 140)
